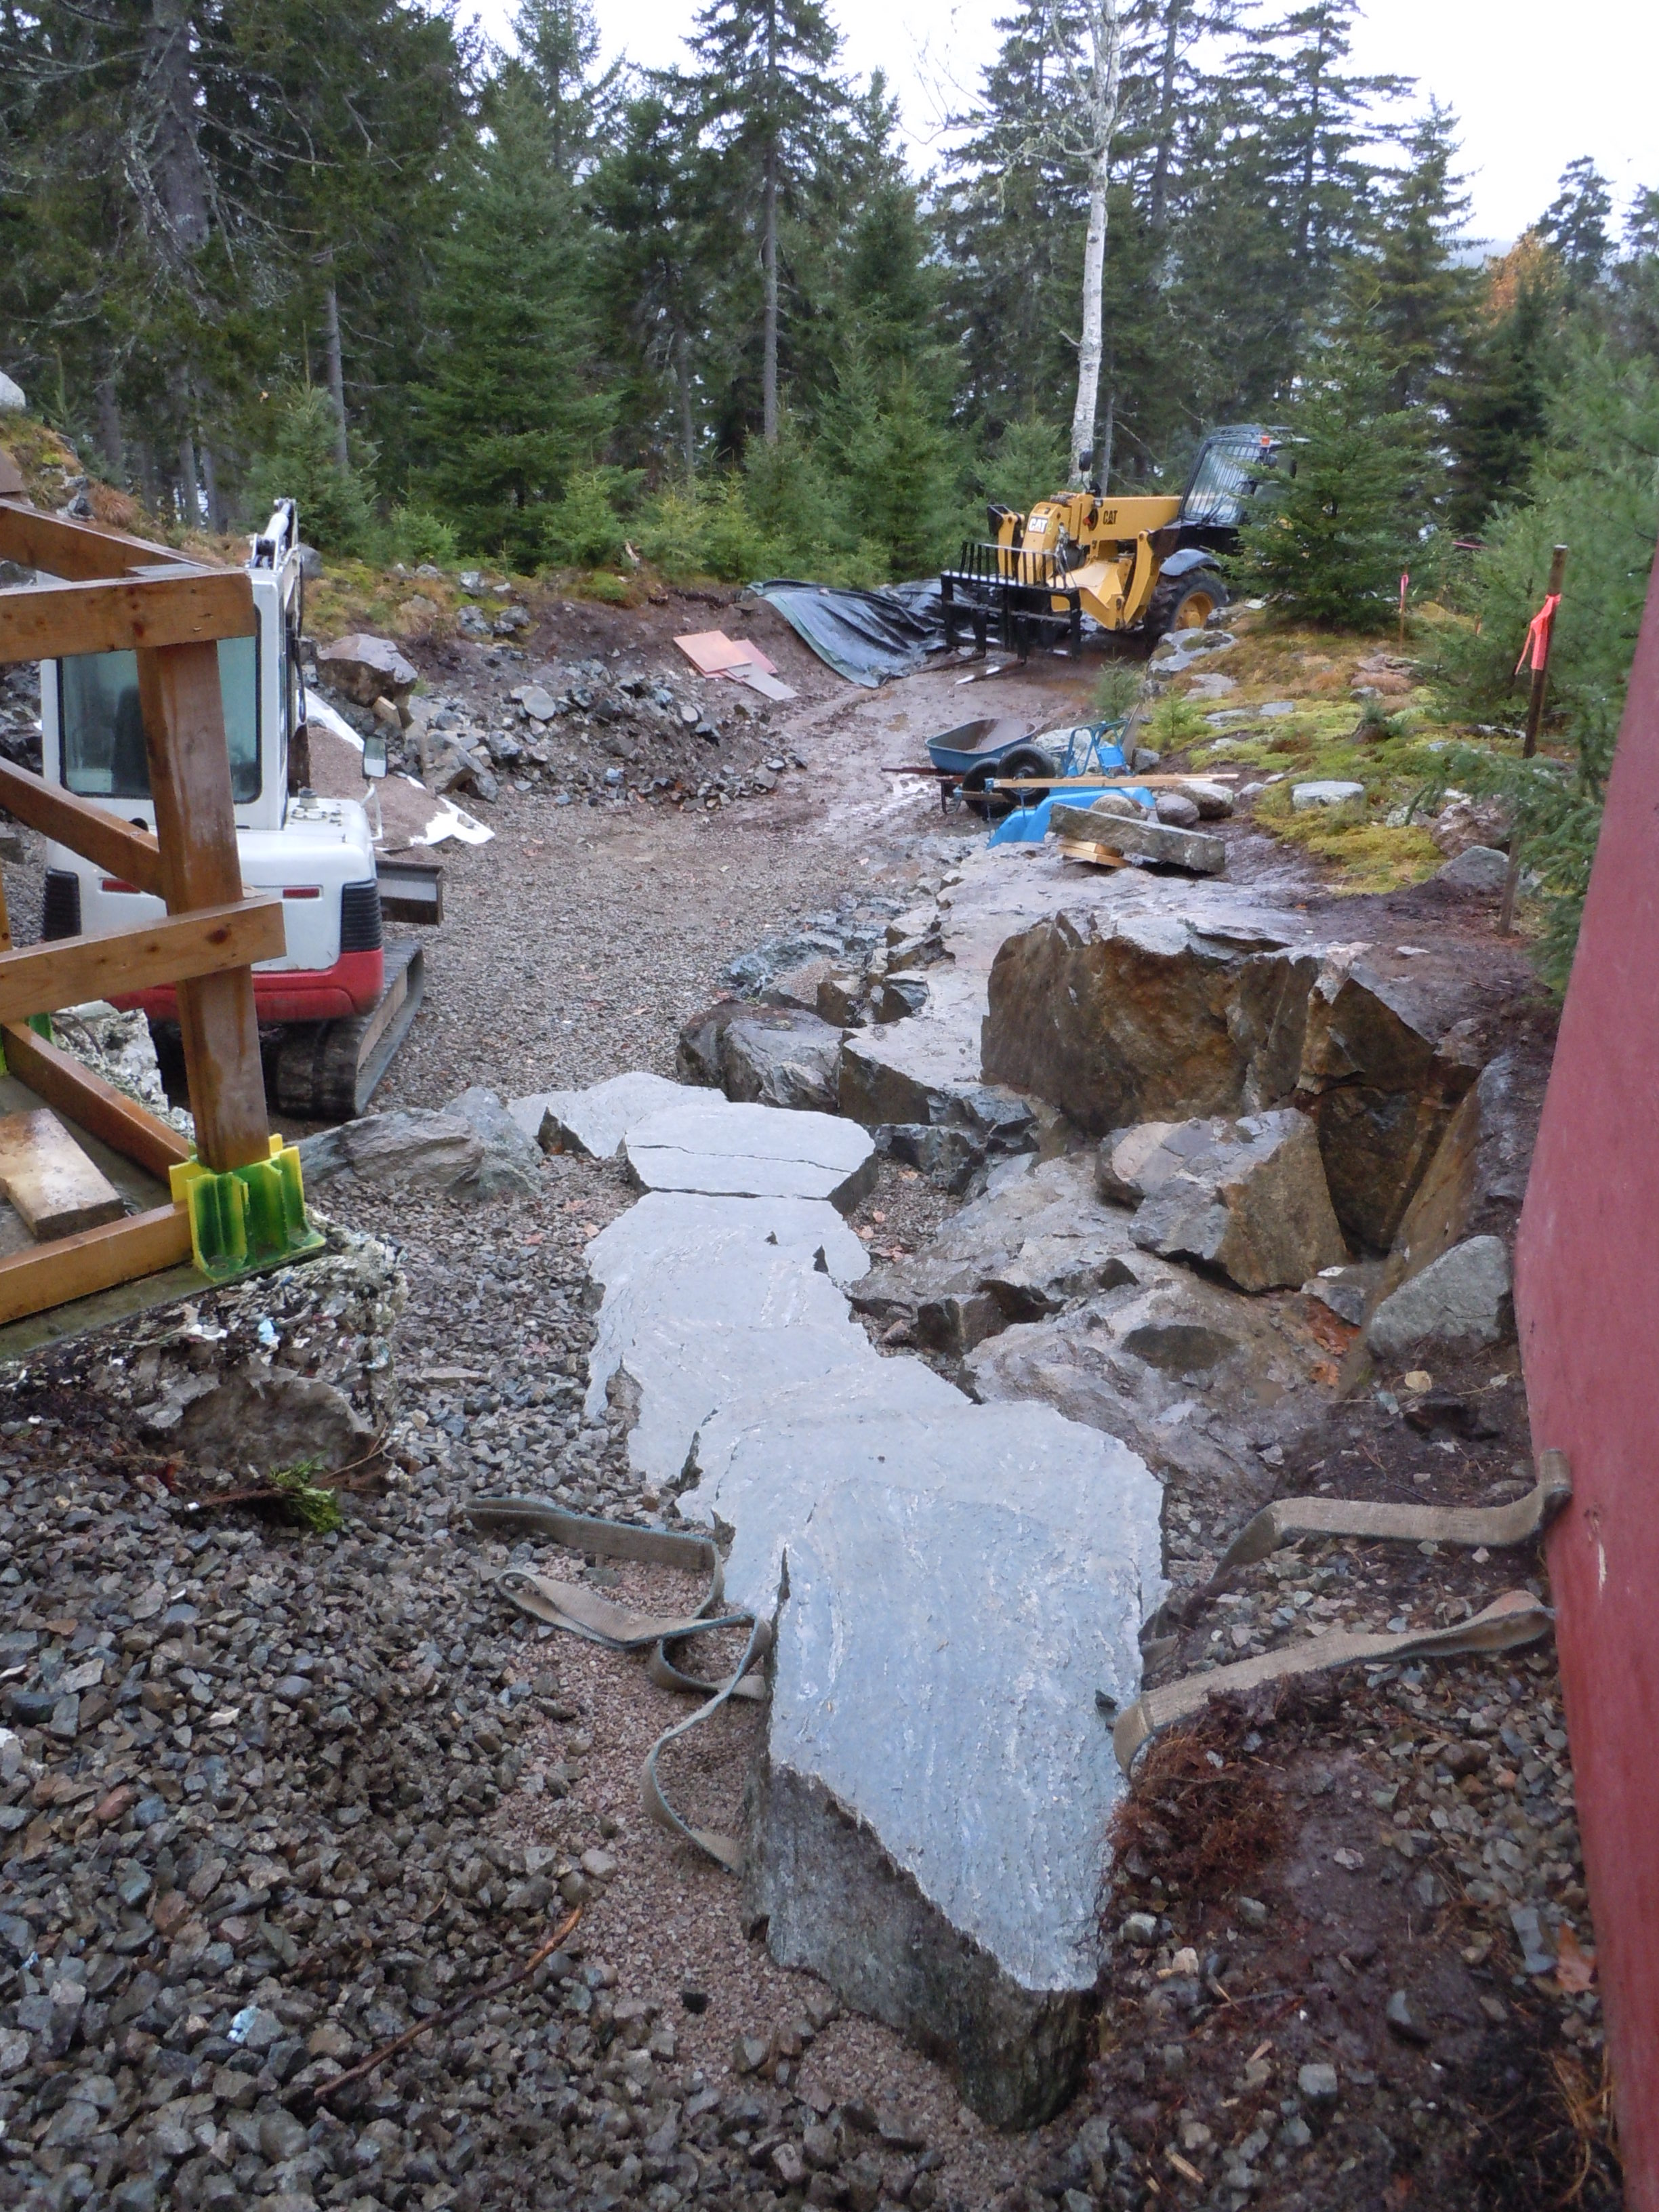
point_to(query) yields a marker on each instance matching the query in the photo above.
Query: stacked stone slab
(951, 1585)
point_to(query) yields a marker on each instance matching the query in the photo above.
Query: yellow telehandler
(1140, 564)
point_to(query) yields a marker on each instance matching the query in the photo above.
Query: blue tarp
(868, 637)
(1029, 825)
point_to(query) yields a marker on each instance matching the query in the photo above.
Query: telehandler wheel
(1184, 602)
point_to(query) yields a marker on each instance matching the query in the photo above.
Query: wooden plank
(196, 824)
(86, 1099)
(133, 855)
(45, 622)
(96, 1260)
(79, 552)
(1093, 783)
(55, 1190)
(1097, 856)
(68, 971)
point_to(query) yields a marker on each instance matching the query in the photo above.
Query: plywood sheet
(54, 1187)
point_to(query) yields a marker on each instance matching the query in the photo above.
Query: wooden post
(196, 827)
(1529, 743)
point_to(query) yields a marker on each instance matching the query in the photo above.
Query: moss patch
(1374, 845)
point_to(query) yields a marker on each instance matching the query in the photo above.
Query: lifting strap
(1514, 1617)
(582, 1611)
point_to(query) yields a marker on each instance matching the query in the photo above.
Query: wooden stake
(1529, 743)
(196, 827)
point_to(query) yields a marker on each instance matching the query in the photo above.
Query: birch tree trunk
(1094, 74)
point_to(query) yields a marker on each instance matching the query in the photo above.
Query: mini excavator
(334, 1009)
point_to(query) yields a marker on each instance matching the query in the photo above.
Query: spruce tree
(1499, 397)
(650, 195)
(770, 108)
(1416, 304)
(1333, 526)
(510, 412)
(558, 43)
(1576, 225)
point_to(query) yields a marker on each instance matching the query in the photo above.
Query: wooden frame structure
(121, 593)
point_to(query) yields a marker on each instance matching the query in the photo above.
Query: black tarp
(865, 636)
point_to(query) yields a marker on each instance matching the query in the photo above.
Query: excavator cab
(334, 1006)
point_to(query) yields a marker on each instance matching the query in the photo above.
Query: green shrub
(415, 536)
(1116, 690)
(1335, 525)
(1028, 463)
(300, 464)
(581, 529)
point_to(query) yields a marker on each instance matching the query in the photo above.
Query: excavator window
(102, 727)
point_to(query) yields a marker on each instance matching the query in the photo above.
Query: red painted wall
(1587, 1298)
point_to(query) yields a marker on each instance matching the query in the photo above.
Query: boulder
(1461, 1298)
(538, 702)
(412, 1145)
(708, 1144)
(895, 998)
(1214, 801)
(591, 1123)
(364, 669)
(697, 1053)
(270, 1418)
(1176, 810)
(1463, 822)
(840, 995)
(1121, 1018)
(1195, 1377)
(926, 1073)
(1193, 850)
(1384, 1066)
(1247, 1197)
(933, 1850)
(782, 1056)
(12, 401)
(800, 987)
(1330, 793)
(1476, 868)
(778, 1054)
(1477, 1178)
(1034, 1244)
(512, 1158)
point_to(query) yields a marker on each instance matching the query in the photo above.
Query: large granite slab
(593, 1123)
(951, 1584)
(707, 1143)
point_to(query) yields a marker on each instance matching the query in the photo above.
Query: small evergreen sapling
(1334, 525)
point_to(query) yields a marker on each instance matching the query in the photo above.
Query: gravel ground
(272, 1797)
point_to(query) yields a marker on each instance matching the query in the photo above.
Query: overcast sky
(1534, 85)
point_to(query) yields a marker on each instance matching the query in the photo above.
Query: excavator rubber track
(328, 1071)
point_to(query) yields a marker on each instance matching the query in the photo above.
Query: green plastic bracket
(247, 1217)
(41, 1024)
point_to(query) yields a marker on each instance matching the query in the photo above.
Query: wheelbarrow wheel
(1022, 763)
(1027, 764)
(989, 806)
